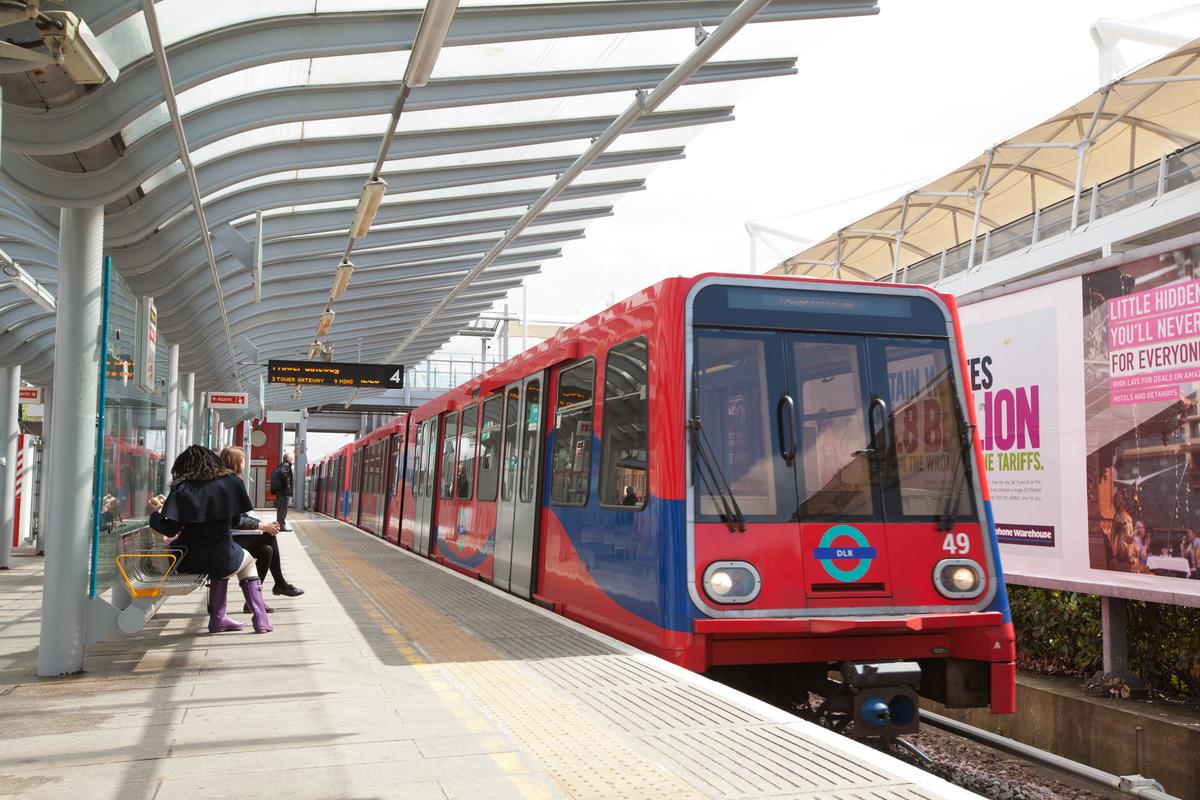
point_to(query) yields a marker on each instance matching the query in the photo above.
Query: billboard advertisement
(1085, 393)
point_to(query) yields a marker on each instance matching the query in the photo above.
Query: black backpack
(276, 481)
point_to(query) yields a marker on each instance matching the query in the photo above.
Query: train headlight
(731, 582)
(958, 578)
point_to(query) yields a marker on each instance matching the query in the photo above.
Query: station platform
(395, 677)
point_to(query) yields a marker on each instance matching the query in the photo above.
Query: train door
(425, 487)
(391, 483)
(357, 459)
(316, 488)
(520, 486)
(258, 485)
(378, 506)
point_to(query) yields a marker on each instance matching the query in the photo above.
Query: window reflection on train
(132, 475)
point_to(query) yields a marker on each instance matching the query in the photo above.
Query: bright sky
(879, 103)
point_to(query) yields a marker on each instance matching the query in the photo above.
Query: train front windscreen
(837, 415)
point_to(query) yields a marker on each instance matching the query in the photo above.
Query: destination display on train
(332, 373)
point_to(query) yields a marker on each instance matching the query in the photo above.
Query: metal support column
(172, 448)
(980, 194)
(1113, 622)
(69, 479)
(189, 397)
(301, 460)
(524, 318)
(10, 389)
(1080, 163)
(43, 496)
(504, 340)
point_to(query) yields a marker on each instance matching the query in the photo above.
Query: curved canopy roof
(285, 105)
(1126, 124)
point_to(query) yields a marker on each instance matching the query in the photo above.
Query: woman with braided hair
(207, 500)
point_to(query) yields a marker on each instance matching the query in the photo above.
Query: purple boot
(218, 591)
(252, 590)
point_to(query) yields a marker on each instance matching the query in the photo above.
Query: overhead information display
(332, 373)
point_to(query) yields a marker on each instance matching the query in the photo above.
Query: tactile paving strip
(603, 723)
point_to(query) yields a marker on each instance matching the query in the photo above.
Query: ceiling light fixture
(73, 45)
(26, 283)
(341, 279)
(431, 35)
(326, 321)
(368, 206)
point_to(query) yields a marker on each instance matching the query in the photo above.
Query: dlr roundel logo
(845, 543)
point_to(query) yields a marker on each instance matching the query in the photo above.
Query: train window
(396, 465)
(418, 476)
(512, 418)
(571, 464)
(929, 465)
(430, 454)
(624, 478)
(529, 439)
(489, 450)
(835, 478)
(734, 400)
(465, 476)
(377, 468)
(449, 442)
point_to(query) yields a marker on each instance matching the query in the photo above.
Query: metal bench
(147, 566)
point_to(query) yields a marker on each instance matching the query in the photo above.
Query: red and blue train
(721, 470)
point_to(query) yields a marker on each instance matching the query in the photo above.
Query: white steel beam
(185, 158)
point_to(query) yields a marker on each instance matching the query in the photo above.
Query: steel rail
(643, 104)
(1127, 784)
(185, 158)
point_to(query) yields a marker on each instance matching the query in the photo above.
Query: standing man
(281, 487)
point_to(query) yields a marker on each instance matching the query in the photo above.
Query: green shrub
(1058, 633)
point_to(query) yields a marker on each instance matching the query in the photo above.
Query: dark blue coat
(202, 513)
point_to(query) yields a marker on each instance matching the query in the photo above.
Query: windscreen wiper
(711, 475)
(958, 478)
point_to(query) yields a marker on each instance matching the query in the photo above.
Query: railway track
(991, 765)
(1052, 775)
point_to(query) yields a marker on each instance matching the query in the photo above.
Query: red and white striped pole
(10, 389)
(17, 494)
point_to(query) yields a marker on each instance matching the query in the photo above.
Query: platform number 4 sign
(957, 544)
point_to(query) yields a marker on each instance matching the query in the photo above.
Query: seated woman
(206, 500)
(258, 537)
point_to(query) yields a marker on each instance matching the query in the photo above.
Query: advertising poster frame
(1116, 531)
